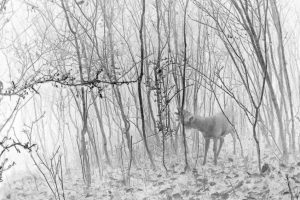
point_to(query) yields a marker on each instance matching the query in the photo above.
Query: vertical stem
(86, 164)
(140, 78)
(183, 85)
(158, 73)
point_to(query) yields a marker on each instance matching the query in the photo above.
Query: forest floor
(233, 178)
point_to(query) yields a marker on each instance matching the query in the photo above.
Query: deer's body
(214, 127)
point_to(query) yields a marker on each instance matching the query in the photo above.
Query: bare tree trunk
(86, 164)
(258, 51)
(197, 83)
(158, 73)
(111, 73)
(100, 122)
(183, 85)
(149, 88)
(282, 62)
(140, 79)
(109, 125)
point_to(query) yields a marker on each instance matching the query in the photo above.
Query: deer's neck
(203, 124)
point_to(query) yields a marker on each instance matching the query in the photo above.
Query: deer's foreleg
(234, 142)
(207, 140)
(220, 145)
(215, 150)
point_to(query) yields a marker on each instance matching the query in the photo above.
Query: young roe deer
(214, 127)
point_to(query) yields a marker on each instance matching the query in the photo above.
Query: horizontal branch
(65, 80)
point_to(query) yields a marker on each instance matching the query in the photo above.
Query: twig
(289, 186)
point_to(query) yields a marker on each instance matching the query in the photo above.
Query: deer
(214, 127)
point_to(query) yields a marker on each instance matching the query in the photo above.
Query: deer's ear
(191, 119)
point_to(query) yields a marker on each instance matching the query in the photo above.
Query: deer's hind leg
(215, 150)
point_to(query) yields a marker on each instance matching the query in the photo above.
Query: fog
(70, 94)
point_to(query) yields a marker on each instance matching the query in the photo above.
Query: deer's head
(185, 117)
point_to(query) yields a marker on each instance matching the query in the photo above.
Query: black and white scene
(149, 99)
